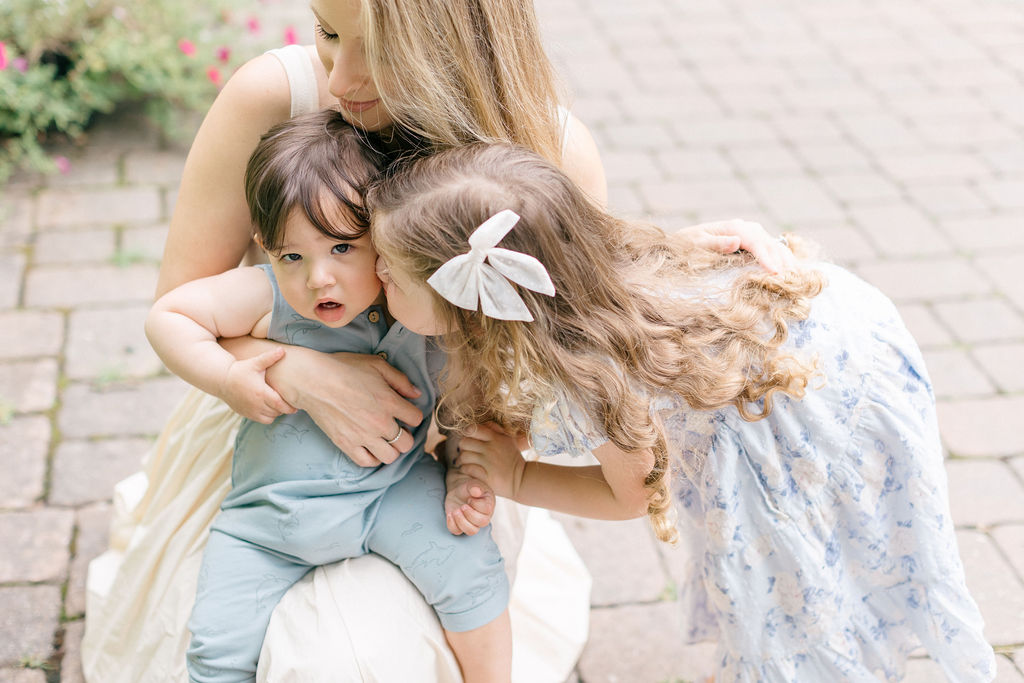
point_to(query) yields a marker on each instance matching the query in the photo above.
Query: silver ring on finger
(396, 437)
(782, 240)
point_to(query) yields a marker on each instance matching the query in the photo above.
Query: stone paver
(79, 207)
(953, 373)
(984, 492)
(1004, 364)
(30, 385)
(109, 343)
(119, 409)
(981, 427)
(46, 286)
(616, 549)
(12, 267)
(28, 334)
(85, 471)
(39, 545)
(891, 133)
(24, 442)
(995, 586)
(80, 246)
(143, 243)
(71, 662)
(646, 647)
(28, 622)
(92, 526)
(22, 676)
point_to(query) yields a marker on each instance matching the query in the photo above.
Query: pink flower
(213, 73)
(253, 24)
(223, 54)
(3, 56)
(21, 64)
(289, 36)
(187, 46)
(63, 164)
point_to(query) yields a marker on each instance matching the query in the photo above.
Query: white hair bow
(466, 277)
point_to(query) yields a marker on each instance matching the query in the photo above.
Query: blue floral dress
(820, 541)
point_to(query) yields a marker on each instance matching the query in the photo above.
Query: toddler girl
(296, 500)
(788, 416)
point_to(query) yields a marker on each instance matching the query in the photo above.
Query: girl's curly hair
(635, 316)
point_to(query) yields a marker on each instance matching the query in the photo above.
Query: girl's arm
(468, 502)
(612, 490)
(184, 325)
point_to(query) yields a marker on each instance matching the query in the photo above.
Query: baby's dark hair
(305, 162)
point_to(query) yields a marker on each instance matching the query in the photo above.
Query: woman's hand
(489, 454)
(355, 399)
(732, 235)
(468, 504)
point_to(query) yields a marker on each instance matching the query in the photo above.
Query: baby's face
(410, 302)
(325, 278)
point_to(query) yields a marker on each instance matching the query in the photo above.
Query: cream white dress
(356, 620)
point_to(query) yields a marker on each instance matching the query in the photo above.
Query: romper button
(383, 354)
(374, 316)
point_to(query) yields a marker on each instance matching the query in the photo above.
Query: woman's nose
(349, 73)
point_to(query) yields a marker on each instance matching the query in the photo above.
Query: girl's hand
(489, 454)
(247, 392)
(468, 505)
(732, 235)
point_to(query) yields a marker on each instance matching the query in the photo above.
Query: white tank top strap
(563, 127)
(301, 78)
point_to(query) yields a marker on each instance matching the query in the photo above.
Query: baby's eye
(341, 248)
(291, 258)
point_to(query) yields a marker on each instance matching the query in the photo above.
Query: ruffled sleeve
(563, 426)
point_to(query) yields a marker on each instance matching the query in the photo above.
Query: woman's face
(339, 43)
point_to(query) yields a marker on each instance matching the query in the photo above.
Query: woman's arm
(612, 490)
(352, 398)
(728, 236)
(183, 327)
(210, 227)
(582, 162)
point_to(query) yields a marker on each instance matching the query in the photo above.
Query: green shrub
(62, 61)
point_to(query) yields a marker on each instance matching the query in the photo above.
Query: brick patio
(892, 133)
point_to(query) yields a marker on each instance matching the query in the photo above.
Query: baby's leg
(239, 586)
(463, 577)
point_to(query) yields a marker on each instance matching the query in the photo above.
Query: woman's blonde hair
(635, 314)
(459, 71)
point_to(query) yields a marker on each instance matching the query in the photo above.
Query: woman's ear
(258, 240)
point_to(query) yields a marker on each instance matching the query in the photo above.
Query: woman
(387, 65)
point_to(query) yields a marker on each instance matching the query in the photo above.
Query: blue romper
(819, 540)
(297, 502)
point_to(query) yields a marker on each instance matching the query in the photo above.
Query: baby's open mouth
(330, 311)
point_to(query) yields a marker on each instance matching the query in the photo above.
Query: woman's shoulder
(581, 160)
(258, 88)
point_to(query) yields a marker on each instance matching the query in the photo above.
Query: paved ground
(891, 132)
